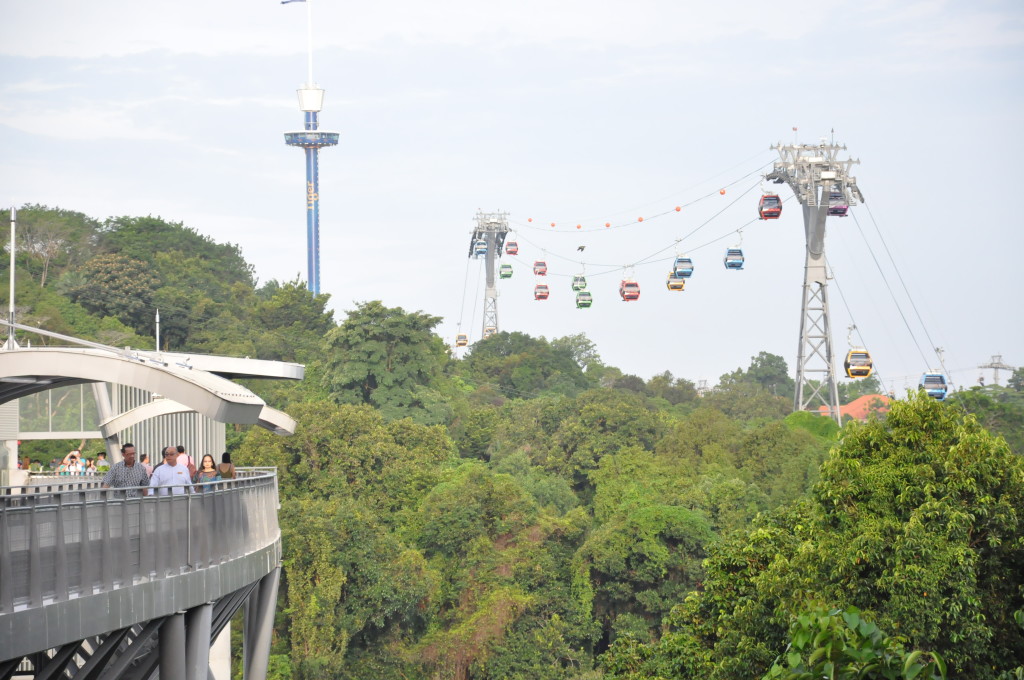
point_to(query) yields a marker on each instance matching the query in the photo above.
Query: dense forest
(529, 512)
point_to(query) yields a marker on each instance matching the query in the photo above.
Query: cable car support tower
(820, 181)
(491, 228)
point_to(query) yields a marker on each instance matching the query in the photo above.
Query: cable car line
(529, 224)
(465, 286)
(900, 276)
(891, 293)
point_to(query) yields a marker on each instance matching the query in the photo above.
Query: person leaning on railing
(171, 478)
(127, 474)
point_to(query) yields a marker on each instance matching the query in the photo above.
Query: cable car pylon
(488, 241)
(815, 173)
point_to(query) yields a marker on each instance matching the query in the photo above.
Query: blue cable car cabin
(505, 271)
(770, 207)
(683, 267)
(733, 258)
(674, 282)
(935, 385)
(584, 299)
(579, 282)
(858, 363)
(540, 268)
(837, 204)
(540, 291)
(480, 247)
(511, 248)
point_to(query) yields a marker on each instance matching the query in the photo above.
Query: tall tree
(388, 358)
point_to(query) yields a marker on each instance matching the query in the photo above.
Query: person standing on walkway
(171, 478)
(127, 474)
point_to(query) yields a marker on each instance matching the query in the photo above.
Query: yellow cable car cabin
(858, 363)
(675, 282)
(461, 340)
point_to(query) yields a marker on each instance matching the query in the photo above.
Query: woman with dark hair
(206, 474)
(226, 467)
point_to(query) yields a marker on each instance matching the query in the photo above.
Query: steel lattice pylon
(492, 228)
(817, 179)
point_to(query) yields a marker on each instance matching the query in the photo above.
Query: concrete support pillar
(106, 412)
(197, 642)
(172, 647)
(259, 626)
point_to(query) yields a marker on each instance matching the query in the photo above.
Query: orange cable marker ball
(678, 208)
(552, 224)
(579, 226)
(639, 219)
(607, 224)
(722, 191)
(529, 219)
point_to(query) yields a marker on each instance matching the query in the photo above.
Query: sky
(569, 112)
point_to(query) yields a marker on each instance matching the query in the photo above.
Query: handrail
(72, 538)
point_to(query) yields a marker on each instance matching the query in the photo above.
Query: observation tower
(311, 139)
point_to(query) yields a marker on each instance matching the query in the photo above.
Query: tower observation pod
(311, 139)
(816, 174)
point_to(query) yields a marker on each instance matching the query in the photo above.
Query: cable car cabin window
(936, 380)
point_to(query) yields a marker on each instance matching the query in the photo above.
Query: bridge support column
(259, 626)
(197, 642)
(172, 647)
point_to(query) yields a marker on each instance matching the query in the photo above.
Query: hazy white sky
(573, 112)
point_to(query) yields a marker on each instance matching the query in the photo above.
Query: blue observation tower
(311, 139)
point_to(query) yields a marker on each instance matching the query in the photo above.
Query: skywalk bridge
(97, 585)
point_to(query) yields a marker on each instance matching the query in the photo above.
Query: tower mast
(491, 228)
(311, 139)
(819, 181)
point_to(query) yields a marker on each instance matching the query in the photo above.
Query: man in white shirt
(170, 478)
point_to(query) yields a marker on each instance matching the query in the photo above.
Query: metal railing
(68, 538)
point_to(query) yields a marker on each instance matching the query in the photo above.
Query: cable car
(837, 204)
(540, 291)
(858, 363)
(629, 290)
(540, 268)
(584, 299)
(489, 331)
(935, 384)
(770, 207)
(675, 282)
(733, 258)
(579, 282)
(511, 248)
(461, 340)
(505, 271)
(480, 247)
(683, 267)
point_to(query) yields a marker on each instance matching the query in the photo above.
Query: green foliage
(388, 358)
(998, 409)
(916, 520)
(115, 285)
(847, 646)
(521, 366)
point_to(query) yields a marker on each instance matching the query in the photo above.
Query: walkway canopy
(177, 378)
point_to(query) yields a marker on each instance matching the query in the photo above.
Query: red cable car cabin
(629, 290)
(511, 248)
(540, 291)
(770, 207)
(540, 268)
